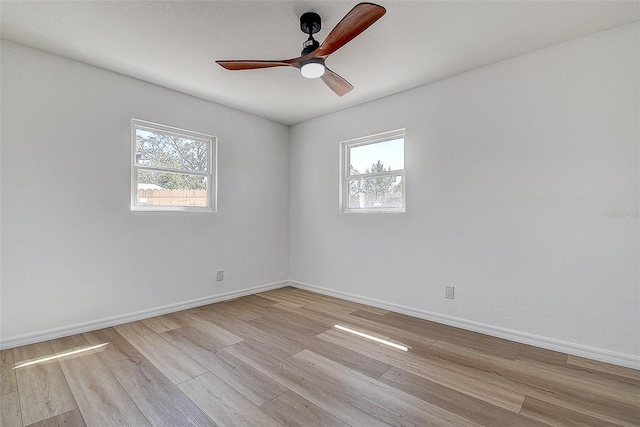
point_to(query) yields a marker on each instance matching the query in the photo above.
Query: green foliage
(172, 181)
(166, 151)
(355, 186)
(375, 191)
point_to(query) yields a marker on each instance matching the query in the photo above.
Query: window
(172, 169)
(373, 173)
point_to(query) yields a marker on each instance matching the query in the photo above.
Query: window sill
(171, 209)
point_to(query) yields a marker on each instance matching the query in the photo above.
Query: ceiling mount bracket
(310, 23)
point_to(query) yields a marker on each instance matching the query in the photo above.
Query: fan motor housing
(310, 23)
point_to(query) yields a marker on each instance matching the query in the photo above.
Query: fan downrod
(310, 24)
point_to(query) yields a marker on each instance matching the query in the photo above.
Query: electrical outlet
(448, 292)
(220, 276)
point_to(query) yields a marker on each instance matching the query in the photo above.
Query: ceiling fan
(313, 56)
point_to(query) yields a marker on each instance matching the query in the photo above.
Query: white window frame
(345, 177)
(210, 174)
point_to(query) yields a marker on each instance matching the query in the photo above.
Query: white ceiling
(174, 44)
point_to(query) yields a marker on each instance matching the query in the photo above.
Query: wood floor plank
(349, 358)
(250, 382)
(608, 368)
(8, 381)
(345, 303)
(374, 310)
(68, 419)
(297, 318)
(454, 401)
(416, 342)
(100, 397)
(257, 299)
(558, 416)
(473, 340)
(326, 395)
(161, 402)
(216, 334)
(241, 310)
(296, 411)
(424, 368)
(308, 298)
(541, 354)
(289, 295)
(404, 408)
(327, 319)
(160, 324)
(10, 415)
(43, 389)
(476, 379)
(286, 304)
(548, 386)
(228, 312)
(283, 295)
(324, 306)
(172, 362)
(285, 346)
(118, 349)
(379, 330)
(619, 387)
(284, 330)
(223, 404)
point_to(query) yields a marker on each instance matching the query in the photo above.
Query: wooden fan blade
(361, 17)
(252, 64)
(336, 83)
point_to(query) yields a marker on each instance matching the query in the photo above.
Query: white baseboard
(594, 353)
(65, 331)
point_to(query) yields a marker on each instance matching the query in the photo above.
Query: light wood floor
(276, 359)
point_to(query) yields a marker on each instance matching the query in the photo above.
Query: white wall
(72, 252)
(510, 169)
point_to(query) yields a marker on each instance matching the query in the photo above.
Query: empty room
(320, 213)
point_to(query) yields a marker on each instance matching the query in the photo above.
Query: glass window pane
(170, 189)
(382, 192)
(169, 151)
(387, 155)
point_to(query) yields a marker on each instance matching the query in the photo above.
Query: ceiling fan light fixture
(313, 68)
(313, 55)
